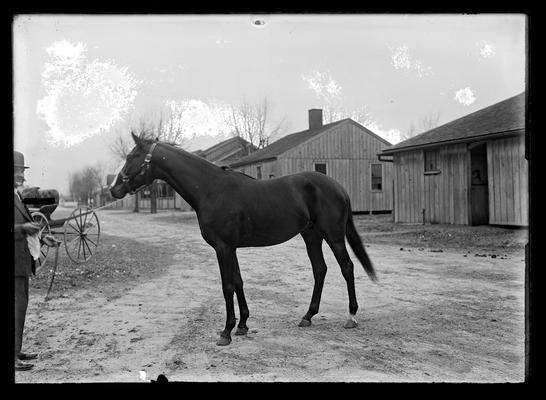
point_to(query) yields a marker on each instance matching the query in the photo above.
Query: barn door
(479, 200)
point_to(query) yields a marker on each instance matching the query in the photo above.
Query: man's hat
(19, 159)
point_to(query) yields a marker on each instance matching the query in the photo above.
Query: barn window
(377, 177)
(259, 172)
(320, 167)
(431, 160)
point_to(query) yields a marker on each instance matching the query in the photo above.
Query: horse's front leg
(226, 258)
(242, 329)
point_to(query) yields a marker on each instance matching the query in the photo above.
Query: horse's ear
(136, 139)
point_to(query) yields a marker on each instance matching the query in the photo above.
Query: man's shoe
(21, 366)
(27, 356)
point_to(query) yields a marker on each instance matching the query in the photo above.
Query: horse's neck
(190, 176)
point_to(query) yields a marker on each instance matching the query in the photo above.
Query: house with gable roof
(343, 150)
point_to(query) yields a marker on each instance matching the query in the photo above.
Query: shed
(470, 171)
(343, 150)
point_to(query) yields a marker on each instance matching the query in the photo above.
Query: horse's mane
(177, 147)
(151, 141)
(227, 168)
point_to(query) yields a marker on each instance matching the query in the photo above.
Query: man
(23, 260)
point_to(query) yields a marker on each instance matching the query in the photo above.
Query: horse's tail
(358, 248)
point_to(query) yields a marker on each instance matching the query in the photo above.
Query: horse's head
(136, 172)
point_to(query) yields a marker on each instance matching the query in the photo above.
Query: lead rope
(113, 202)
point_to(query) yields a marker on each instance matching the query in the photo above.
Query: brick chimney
(315, 118)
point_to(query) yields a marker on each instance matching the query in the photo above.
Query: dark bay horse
(235, 210)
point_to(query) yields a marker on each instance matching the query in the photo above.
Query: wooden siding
(268, 168)
(446, 196)
(408, 186)
(443, 196)
(348, 153)
(508, 181)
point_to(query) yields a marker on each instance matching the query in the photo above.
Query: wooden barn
(343, 150)
(470, 171)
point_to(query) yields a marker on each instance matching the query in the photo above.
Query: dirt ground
(448, 307)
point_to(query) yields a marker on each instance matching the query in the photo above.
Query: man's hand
(50, 241)
(31, 228)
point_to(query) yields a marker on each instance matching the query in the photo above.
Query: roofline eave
(244, 164)
(455, 141)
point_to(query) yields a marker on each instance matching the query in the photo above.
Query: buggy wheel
(81, 234)
(42, 220)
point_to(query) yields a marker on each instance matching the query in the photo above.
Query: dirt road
(445, 316)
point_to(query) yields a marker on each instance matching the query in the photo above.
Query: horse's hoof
(223, 341)
(304, 323)
(241, 331)
(350, 324)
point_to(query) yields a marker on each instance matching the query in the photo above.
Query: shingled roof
(500, 118)
(283, 144)
(227, 151)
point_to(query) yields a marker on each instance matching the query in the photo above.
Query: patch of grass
(119, 261)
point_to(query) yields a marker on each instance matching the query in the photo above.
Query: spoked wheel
(81, 234)
(41, 219)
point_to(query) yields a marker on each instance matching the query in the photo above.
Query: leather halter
(144, 167)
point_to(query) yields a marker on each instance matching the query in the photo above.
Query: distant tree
(83, 183)
(251, 122)
(121, 146)
(430, 121)
(425, 123)
(164, 124)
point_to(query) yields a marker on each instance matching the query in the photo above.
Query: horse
(234, 210)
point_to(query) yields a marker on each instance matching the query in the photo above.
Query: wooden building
(470, 171)
(343, 150)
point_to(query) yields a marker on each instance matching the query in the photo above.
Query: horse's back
(322, 183)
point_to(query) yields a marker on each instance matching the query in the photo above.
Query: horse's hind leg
(347, 270)
(313, 241)
(242, 329)
(226, 261)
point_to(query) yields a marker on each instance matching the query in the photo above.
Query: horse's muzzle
(118, 191)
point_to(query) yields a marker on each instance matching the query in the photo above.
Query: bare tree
(83, 183)
(425, 123)
(251, 123)
(165, 124)
(430, 121)
(120, 146)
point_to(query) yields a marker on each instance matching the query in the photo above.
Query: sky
(80, 81)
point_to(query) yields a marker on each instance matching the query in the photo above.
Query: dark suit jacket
(24, 263)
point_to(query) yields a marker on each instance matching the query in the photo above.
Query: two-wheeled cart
(80, 231)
